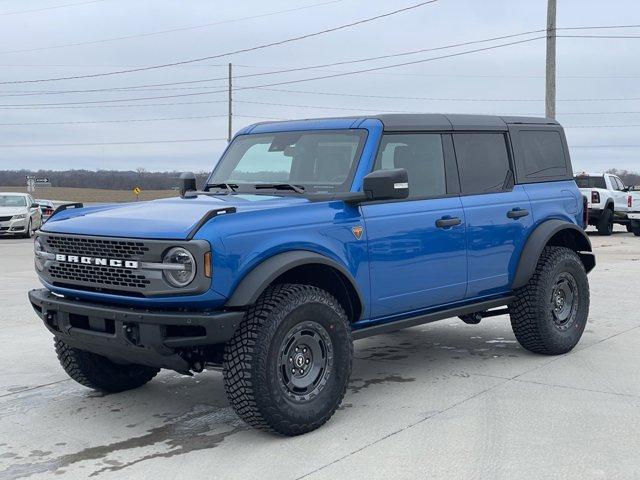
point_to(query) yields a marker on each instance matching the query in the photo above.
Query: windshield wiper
(280, 186)
(226, 186)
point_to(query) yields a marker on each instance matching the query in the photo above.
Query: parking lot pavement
(445, 400)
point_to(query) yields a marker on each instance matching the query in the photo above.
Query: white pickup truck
(610, 201)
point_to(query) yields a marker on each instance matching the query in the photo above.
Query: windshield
(320, 160)
(13, 201)
(590, 182)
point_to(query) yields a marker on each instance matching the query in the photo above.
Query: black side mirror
(387, 184)
(187, 182)
(35, 205)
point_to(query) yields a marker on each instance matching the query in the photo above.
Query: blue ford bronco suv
(311, 234)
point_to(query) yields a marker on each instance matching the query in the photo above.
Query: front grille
(108, 276)
(96, 247)
(84, 274)
(5, 219)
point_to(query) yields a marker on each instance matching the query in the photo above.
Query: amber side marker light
(207, 264)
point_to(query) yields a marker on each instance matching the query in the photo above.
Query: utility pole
(230, 118)
(550, 95)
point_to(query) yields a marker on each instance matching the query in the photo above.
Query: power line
(142, 142)
(289, 70)
(133, 120)
(602, 126)
(399, 97)
(604, 146)
(172, 30)
(18, 12)
(203, 102)
(243, 50)
(289, 82)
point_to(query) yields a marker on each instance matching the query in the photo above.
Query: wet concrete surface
(445, 400)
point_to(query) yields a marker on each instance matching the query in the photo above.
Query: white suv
(19, 214)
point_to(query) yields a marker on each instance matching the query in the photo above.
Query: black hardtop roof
(438, 121)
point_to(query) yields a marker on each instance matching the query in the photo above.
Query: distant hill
(103, 179)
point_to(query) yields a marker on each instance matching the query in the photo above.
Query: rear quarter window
(540, 155)
(543, 154)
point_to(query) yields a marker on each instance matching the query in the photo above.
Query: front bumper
(13, 227)
(156, 338)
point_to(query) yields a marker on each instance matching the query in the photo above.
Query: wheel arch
(300, 266)
(558, 233)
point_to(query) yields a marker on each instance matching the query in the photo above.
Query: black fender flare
(258, 279)
(539, 238)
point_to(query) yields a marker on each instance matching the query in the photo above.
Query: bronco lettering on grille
(110, 262)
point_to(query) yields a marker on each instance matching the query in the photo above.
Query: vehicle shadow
(174, 414)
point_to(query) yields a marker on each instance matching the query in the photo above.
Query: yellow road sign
(137, 191)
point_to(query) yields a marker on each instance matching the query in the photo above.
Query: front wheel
(550, 312)
(100, 373)
(287, 367)
(28, 233)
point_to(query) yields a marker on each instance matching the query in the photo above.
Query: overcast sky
(588, 68)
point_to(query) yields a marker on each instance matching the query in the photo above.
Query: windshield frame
(24, 199)
(244, 188)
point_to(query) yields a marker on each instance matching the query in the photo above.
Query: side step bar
(431, 317)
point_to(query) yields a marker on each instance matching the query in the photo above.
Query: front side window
(13, 201)
(421, 155)
(315, 160)
(483, 162)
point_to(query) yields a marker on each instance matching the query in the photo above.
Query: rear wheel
(629, 227)
(550, 312)
(100, 373)
(287, 367)
(635, 227)
(605, 223)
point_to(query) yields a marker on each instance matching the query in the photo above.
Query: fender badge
(357, 232)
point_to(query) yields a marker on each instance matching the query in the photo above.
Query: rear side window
(585, 181)
(483, 162)
(543, 154)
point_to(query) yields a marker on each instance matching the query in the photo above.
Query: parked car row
(610, 201)
(21, 215)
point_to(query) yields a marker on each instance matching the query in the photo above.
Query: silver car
(19, 214)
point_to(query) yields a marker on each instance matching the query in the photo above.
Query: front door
(417, 246)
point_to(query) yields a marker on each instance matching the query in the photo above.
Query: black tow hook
(131, 333)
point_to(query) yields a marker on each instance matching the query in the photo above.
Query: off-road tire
(635, 227)
(252, 367)
(605, 223)
(100, 373)
(629, 227)
(533, 320)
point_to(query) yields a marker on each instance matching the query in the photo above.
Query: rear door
(620, 197)
(497, 213)
(417, 246)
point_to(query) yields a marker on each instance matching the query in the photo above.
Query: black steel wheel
(306, 358)
(287, 367)
(564, 301)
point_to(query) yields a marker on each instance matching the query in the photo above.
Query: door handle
(517, 213)
(445, 222)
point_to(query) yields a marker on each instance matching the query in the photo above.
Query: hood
(11, 211)
(169, 218)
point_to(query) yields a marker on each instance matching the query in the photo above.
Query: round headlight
(179, 277)
(37, 248)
